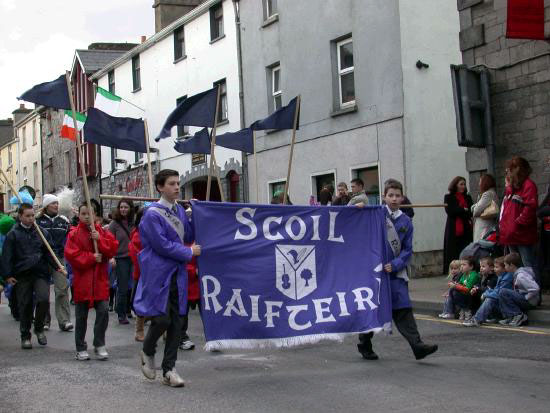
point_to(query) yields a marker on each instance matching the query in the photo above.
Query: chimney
(21, 106)
(143, 38)
(20, 113)
(167, 11)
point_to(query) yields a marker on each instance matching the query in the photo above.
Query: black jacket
(24, 253)
(58, 227)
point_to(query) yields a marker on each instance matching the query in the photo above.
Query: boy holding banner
(399, 246)
(162, 288)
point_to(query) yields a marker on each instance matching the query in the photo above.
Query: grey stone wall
(520, 89)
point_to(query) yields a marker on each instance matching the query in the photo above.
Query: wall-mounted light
(421, 65)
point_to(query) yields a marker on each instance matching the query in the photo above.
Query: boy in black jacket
(25, 263)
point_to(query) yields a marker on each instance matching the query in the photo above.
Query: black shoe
(42, 340)
(129, 315)
(367, 353)
(110, 308)
(423, 350)
(26, 344)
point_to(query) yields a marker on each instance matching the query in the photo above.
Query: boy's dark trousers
(171, 322)
(81, 310)
(26, 286)
(405, 323)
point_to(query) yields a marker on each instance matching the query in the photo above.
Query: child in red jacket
(193, 301)
(91, 280)
(134, 247)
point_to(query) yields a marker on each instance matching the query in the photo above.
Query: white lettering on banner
(237, 305)
(244, 216)
(268, 235)
(239, 216)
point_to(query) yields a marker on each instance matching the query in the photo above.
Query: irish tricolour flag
(106, 102)
(68, 130)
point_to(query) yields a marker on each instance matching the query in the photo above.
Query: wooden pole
(44, 240)
(424, 206)
(134, 198)
(212, 146)
(256, 167)
(222, 195)
(287, 183)
(149, 170)
(81, 155)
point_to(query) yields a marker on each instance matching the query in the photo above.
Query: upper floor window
(24, 138)
(136, 73)
(34, 141)
(179, 43)
(216, 22)
(222, 108)
(276, 92)
(111, 80)
(183, 131)
(270, 8)
(346, 83)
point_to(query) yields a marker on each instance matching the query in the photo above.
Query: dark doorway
(199, 190)
(233, 182)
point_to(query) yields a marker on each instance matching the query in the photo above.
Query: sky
(38, 38)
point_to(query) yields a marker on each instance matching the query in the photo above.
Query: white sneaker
(82, 355)
(148, 366)
(187, 345)
(446, 316)
(101, 353)
(173, 379)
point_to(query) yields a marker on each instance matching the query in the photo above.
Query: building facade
(189, 55)
(368, 109)
(7, 148)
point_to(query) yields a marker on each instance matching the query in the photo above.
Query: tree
(306, 275)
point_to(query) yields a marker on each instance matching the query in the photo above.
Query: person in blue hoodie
(400, 235)
(488, 312)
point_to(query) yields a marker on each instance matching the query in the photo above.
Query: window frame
(216, 29)
(342, 72)
(23, 139)
(276, 93)
(271, 184)
(111, 81)
(355, 170)
(34, 141)
(270, 14)
(136, 73)
(223, 98)
(182, 132)
(179, 44)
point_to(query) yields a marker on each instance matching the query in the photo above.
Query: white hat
(49, 199)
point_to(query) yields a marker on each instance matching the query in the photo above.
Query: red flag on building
(525, 19)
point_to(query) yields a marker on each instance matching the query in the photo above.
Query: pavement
(488, 369)
(427, 298)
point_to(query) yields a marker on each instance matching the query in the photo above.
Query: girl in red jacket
(134, 247)
(91, 280)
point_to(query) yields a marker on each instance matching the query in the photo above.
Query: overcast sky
(38, 38)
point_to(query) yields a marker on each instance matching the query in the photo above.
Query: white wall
(429, 32)
(33, 153)
(163, 81)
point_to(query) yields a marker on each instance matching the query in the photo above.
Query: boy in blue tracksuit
(488, 311)
(399, 246)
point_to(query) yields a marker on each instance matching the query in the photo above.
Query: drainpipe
(236, 9)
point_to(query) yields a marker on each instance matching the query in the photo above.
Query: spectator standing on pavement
(358, 194)
(121, 226)
(342, 195)
(487, 195)
(458, 229)
(58, 226)
(6, 224)
(90, 280)
(26, 263)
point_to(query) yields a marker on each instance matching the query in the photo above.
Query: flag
(242, 140)
(289, 275)
(53, 94)
(115, 132)
(197, 110)
(525, 19)
(68, 130)
(282, 118)
(107, 102)
(198, 143)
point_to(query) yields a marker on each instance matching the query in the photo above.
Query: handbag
(491, 211)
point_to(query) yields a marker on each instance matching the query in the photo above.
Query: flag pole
(287, 183)
(256, 166)
(44, 240)
(149, 171)
(212, 146)
(81, 155)
(218, 179)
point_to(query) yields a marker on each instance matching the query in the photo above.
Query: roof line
(157, 37)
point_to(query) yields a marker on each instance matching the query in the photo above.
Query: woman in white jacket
(487, 193)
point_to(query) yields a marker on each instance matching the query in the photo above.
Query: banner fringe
(286, 342)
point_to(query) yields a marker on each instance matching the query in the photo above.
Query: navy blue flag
(282, 118)
(198, 143)
(242, 140)
(290, 275)
(197, 110)
(115, 132)
(54, 94)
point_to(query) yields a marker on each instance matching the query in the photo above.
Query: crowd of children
(503, 291)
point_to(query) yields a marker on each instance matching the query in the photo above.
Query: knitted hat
(49, 199)
(6, 222)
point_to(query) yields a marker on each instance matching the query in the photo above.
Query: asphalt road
(475, 370)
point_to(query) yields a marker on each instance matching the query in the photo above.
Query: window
(198, 159)
(35, 174)
(182, 131)
(274, 187)
(67, 166)
(25, 175)
(321, 181)
(34, 133)
(346, 84)
(113, 159)
(370, 178)
(10, 156)
(270, 9)
(136, 75)
(24, 138)
(216, 22)
(276, 92)
(222, 108)
(179, 43)
(138, 156)
(111, 80)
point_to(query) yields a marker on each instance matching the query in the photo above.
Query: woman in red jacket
(91, 280)
(518, 218)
